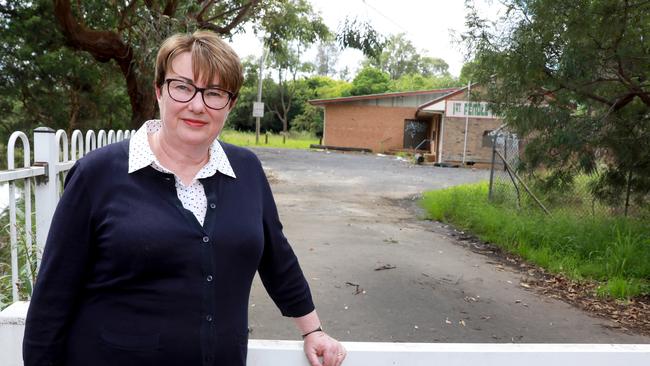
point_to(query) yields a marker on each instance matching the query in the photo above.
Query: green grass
(27, 261)
(294, 140)
(614, 251)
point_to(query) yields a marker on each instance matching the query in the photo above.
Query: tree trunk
(105, 46)
(73, 121)
(142, 98)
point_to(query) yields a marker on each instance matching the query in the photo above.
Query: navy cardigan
(129, 277)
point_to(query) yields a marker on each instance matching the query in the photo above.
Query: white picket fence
(53, 155)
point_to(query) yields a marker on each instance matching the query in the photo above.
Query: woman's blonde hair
(211, 58)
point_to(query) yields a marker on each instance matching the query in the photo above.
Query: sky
(433, 26)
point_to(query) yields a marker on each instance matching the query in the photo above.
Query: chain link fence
(510, 186)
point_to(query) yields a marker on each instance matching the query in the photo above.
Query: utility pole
(469, 90)
(258, 107)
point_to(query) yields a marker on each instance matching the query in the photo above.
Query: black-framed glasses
(183, 91)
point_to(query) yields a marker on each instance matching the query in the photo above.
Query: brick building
(431, 121)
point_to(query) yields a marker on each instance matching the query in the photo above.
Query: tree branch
(170, 8)
(204, 8)
(238, 19)
(578, 90)
(122, 24)
(102, 45)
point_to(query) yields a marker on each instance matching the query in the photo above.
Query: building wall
(362, 126)
(454, 137)
(380, 127)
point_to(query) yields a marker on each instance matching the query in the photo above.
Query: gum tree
(128, 32)
(574, 78)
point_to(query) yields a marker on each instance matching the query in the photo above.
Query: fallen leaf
(385, 266)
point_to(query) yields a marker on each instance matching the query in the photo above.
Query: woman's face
(190, 124)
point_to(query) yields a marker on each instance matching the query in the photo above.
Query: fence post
(45, 195)
(494, 154)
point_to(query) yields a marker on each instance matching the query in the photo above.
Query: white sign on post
(258, 109)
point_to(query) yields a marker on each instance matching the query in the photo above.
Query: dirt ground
(379, 272)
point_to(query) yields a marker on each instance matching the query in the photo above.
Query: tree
(44, 83)
(354, 33)
(467, 72)
(285, 56)
(431, 66)
(241, 117)
(400, 57)
(370, 81)
(281, 98)
(574, 78)
(411, 82)
(128, 33)
(310, 118)
(327, 55)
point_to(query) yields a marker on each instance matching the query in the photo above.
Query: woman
(155, 241)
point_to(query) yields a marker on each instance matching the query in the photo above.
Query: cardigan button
(208, 318)
(206, 239)
(212, 205)
(209, 278)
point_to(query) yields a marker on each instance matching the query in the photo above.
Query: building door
(416, 134)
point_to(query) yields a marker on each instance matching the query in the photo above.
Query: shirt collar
(141, 155)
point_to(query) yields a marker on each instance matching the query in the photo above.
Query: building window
(488, 139)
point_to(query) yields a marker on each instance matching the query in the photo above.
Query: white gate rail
(52, 156)
(289, 353)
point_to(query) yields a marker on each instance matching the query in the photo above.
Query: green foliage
(572, 78)
(323, 87)
(412, 82)
(399, 57)
(27, 259)
(287, 21)
(622, 288)
(285, 57)
(44, 83)
(89, 64)
(362, 36)
(326, 57)
(293, 140)
(310, 120)
(467, 72)
(602, 248)
(370, 81)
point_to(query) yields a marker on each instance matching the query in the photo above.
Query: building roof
(455, 92)
(380, 96)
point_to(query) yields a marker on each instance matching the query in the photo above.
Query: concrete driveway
(379, 272)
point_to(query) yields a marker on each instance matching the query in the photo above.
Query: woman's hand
(319, 344)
